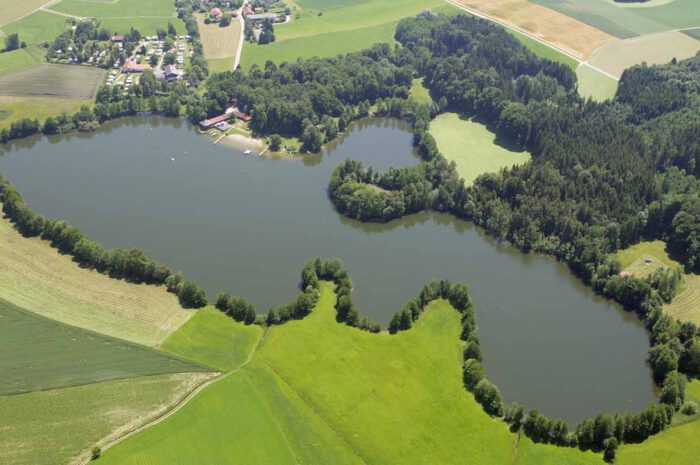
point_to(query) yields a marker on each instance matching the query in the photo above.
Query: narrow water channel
(248, 224)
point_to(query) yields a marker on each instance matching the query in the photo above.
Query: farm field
(653, 49)
(52, 80)
(572, 35)
(629, 21)
(34, 425)
(594, 84)
(694, 33)
(39, 354)
(11, 10)
(474, 148)
(219, 42)
(214, 339)
(36, 277)
(16, 59)
(16, 108)
(38, 27)
(220, 65)
(307, 397)
(341, 28)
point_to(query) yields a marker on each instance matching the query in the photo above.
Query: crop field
(474, 148)
(16, 59)
(51, 80)
(320, 392)
(38, 27)
(572, 35)
(342, 27)
(214, 339)
(39, 354)
(660, 48)
(37, 278)
(219, 42)
(16, 108)
(34, 428)
(629, 21)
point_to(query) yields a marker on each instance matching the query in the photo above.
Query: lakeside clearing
(474, 148)
(36, 277)
(34, 428)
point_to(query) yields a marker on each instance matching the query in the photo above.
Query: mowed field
(474, 148)
(38, 354)
(320, 392)
(686, 305)
(220, 43)
(594, 84)
(15, 108)
(60, 426)
(37, 278)
(343, 27)
(11, 10)
(653, 49)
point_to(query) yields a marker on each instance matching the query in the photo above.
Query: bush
(96, 452)
(689, 408)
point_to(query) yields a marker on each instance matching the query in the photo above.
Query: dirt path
(168, 413)
(241, 38)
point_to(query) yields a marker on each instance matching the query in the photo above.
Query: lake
(248, 224)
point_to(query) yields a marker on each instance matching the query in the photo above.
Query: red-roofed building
(625, 274)
(247, 11)
(215, 12)
(118, 38)
(243, 116)
(208, 123)
(133, 67)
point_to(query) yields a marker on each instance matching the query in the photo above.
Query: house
(262, 17)
(133, 67)
(118, 38)
(247, 11)
(215, 12)
(171, 73)
(211, 122)
(625, 274)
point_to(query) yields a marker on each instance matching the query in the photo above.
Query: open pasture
(625, 21)
(40, 26)
(36, 277)
(567, 33)
(474, 148)
(653, 49)
(686, 305)
(321, 392)
(219, 42)
(14, 60)
(594, 84)
(16, 108)
(11, 10)
(51, 80)
(39, 354)
(35, 425)
(213, 339)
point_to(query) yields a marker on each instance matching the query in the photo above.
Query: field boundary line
(315, 409)
(186, 400)
(529, 35)
(45, 5)
(241, 37)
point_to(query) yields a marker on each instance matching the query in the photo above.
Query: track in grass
(39, 354)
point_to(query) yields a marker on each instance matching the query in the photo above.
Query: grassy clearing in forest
(37, 354)
(34, 425)
(594, 84)
(420, 93)
(474, 148)
(321, 392)
(34, 276)
(214, 339)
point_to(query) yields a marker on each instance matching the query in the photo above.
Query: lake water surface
(248, 224)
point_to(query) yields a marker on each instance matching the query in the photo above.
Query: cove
(248, 224)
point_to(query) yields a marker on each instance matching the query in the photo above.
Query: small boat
(247, 152)
(172, 158)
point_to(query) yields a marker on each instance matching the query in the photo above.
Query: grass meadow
(39, 354)
(37, 278)
(53, 80)
(474, 148)
(420, 93)
(594, 84)
(219, 42)
(15, 108)
(38, 27)
(214, 339)
(12, 10)
(320, 392)
(34, 425)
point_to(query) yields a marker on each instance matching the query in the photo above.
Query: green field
(53, 80)
(420, 93)
(37, 27)
(320, 392)
(16, 108)
(633, 256)
(121, 15)
(694, 33)
(16, 59)
(343, 27)
(474, 148)
(213, 339)
(39, 354)
(36, 277)
(543, 51)
(594, 84)
(53, 427)
(625, 22)
(11, 10)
